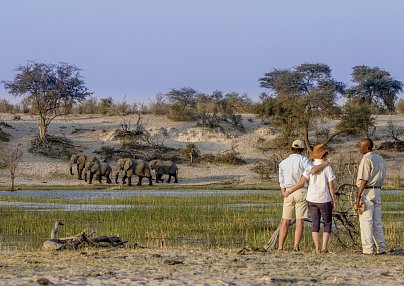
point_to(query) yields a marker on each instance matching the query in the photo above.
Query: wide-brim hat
(318, 151)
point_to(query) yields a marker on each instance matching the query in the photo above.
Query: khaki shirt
(372, 168)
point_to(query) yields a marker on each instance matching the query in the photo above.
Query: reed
(215, 220)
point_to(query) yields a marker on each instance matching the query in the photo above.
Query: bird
(54, 243)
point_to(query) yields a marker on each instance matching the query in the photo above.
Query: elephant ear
(73, 159)
(159, 169)
(94, 166)
(87, 167)
(152, 164)
(81, 159)
(128, 164)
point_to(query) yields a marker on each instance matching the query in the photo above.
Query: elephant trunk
(71, 169)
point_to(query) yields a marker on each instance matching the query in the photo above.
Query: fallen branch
(79, 240)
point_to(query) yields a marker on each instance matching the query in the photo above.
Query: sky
(135, 49)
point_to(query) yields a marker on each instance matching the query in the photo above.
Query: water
(112, 194)
(95, 194)
(64, 207)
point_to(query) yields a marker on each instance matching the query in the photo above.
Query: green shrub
(356, 118)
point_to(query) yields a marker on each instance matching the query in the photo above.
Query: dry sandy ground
(96, 132)
(198, 267)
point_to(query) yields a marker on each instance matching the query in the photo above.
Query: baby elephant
(98, 169)
(164, 167)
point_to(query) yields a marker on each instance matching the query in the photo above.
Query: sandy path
(198, 267)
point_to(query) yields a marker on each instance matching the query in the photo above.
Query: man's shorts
(296, 205)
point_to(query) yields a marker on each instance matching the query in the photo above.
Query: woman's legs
(315, 225)
(326, 213)
(316, 240)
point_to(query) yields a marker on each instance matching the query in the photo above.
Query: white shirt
(318, 191)
(291, 170)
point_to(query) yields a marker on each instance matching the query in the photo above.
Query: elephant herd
(91, 165)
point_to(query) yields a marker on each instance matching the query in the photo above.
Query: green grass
(230, 220)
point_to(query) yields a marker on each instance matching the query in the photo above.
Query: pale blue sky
(140, 48)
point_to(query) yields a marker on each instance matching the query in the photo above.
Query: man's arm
(297, 186)
(360, 192)
(309, 167)
(317, 169)
(284, 192)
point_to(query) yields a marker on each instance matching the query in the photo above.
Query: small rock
(43, 281)
(173, 262)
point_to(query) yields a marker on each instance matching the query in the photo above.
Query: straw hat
(318, 151)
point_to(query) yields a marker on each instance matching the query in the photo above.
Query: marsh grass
(225, 220)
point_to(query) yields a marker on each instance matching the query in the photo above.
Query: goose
(54, 243)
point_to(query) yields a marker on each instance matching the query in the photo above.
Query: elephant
(164, 167)
(132, 167)
(98, 169)
(80, 160)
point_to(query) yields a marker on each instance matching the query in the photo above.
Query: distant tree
(300, 97)
(356, 118)
(6, 107)
(375, 86)
(51, 90)
(159, 106)
(88, 106)
(123, 107)
(400, 106)
(9, 159)
(233, 103)
(182, 103)
(105, 106)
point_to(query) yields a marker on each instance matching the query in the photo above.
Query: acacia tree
(182, 103)
(375, 86)
(300, 97)
(51, 90)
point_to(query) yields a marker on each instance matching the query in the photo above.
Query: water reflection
(64, 207)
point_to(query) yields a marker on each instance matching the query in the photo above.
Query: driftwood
(82, 239)
(79, 240)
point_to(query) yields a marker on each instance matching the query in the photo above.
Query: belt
(373, 187)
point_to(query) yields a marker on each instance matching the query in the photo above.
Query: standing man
(371, 174)
(294, 204)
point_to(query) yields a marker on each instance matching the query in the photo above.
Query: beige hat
(298, 144)
(318, 151)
